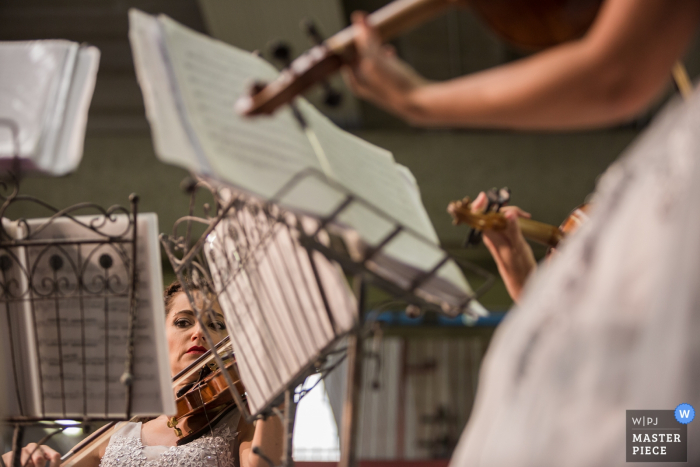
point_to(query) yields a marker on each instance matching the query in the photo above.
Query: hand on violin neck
(378, 75)
(510, 250)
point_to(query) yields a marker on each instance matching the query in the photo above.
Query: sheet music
(65, 154)
(45, 89)
(169, 136)
(76, 337)
(208, 76)
(274, 308)
(372, 174)
(31, 76)
(262, 154)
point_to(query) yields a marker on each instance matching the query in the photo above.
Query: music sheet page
(16, 389)
(371, 173)
(45, 88)
(65, 155)
(169, 136)
(75, 315)
(260, 155)
(30, 79)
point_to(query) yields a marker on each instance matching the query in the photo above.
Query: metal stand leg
(17, 445)
(290, 409)
(348, 441)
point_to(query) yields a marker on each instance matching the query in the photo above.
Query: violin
(545, 234)
(199, 404)
(527, 24)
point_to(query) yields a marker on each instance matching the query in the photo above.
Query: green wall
(549, 175)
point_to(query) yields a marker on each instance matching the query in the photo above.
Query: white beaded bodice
(211, 450)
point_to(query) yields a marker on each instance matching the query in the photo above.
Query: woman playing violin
(606, 77)
(154, 443)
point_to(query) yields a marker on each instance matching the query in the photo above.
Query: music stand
(26, 291)
(194, 269)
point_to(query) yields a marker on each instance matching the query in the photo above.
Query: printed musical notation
(70, 323)
(190, 81)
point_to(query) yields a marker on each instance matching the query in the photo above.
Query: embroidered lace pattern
(208, 451)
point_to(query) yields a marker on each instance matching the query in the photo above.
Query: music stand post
(186, 254)
(22, 288)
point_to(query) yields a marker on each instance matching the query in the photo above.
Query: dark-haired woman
(153, 443)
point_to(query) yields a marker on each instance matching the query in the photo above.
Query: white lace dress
(610, 324)
(216, 449)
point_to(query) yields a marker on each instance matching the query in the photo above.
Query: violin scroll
(539, 232)
(462, 214)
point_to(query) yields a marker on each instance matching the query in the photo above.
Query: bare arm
(608, 76)
(266, 435)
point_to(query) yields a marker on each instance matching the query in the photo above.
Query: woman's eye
(182, 323)
(218, 326)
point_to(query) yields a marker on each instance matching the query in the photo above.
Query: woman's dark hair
(169, 295)
(173, 289)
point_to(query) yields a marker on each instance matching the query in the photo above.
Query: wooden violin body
(528, 24)
(537, 24)
(205, 402)
(577, 217)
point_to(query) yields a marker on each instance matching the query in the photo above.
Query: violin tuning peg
(497, 198)
(257, 87)
(504, 195)
(309, 27)
(281, 52)
(333, 98)
(473, 238)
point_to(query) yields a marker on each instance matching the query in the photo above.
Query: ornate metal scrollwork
(71, 264)
(56, 275)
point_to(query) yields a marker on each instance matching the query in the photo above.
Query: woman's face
(186, 341)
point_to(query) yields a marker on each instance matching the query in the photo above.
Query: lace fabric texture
(609, 324)
(126, 449)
